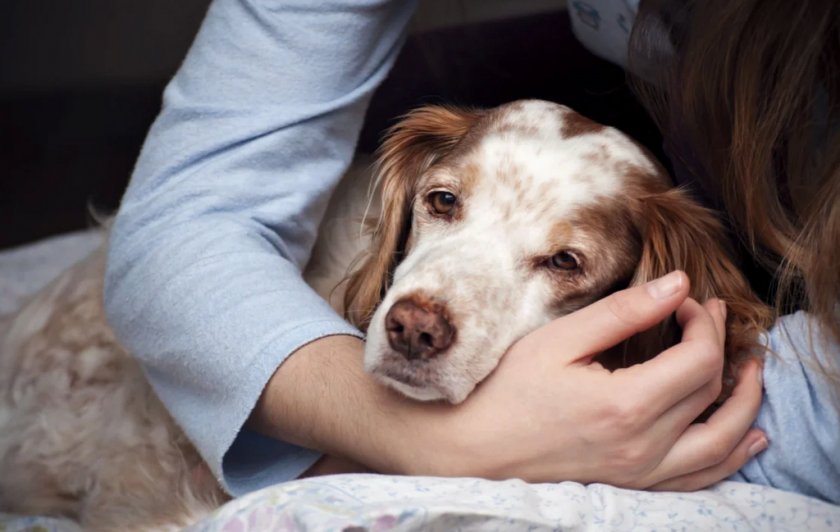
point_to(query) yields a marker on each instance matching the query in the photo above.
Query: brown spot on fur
(512, 128)
(606, 237)
(597, 158)
(492, 121)
(469, 175)
(575, 124)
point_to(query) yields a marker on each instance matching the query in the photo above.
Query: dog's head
(495, 222)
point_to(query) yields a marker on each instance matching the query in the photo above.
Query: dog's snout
(417, 331)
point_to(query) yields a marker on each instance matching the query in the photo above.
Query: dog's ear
(411, 147)
(679, 234)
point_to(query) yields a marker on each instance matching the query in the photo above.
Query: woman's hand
(550, 413)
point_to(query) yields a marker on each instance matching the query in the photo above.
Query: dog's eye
(564, 261)
(442, 202)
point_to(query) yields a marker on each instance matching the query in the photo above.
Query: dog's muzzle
(418, 330)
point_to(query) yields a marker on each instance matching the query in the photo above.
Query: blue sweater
(203, 282)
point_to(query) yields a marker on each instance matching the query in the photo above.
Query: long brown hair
(747, 92)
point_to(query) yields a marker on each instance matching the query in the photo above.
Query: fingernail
(665, 286)
(757, 446)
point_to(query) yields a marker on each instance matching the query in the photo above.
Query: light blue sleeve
(800, 413)
(203, 282)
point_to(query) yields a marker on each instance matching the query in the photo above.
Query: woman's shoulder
(603, 26)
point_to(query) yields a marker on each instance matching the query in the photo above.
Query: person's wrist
(350, 415)
(417, 438)
(453, 441)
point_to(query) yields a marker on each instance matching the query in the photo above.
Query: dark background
(73, 115)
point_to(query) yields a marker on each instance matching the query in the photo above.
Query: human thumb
(619, 316)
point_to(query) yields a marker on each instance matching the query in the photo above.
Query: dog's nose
(417, 332)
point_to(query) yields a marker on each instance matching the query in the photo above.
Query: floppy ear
(679, 234)
(411, 147)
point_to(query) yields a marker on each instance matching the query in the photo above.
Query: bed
(379, 502)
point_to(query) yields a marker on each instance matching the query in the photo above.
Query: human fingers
(708, 445)
(750, 445)
(717, 309)
(676, 386)
(678, 372)
(619, 316)
(701, 323)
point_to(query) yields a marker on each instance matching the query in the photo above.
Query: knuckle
(625, 415)
(710, 354)
(633, 460)
(624, 308)
(717, 451)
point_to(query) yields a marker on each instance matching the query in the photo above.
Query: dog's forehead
(562, 132)
(535, 152)
(540, 118)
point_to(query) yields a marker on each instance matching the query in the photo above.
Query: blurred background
(81, 82)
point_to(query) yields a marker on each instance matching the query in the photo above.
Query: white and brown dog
(495, 222)
(492, 223)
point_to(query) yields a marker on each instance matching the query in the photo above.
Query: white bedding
(378, 502)
(375, 502)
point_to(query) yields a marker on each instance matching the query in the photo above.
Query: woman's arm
(203, 282)
(547, 413)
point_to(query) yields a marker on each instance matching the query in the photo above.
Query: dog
(496, 222)
(491, 223)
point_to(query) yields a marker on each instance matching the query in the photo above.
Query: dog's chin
(422, 391)
(419, 393)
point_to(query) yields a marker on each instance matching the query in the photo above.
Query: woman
(203, 285)
(747, 95)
